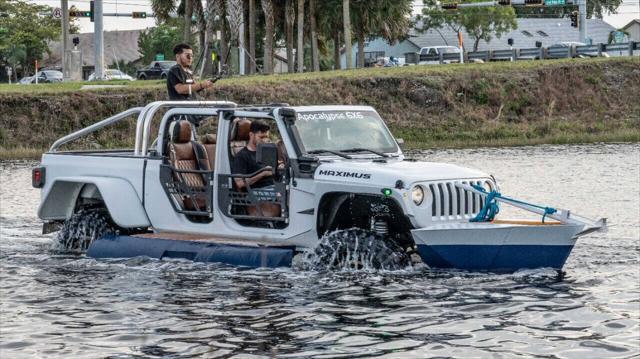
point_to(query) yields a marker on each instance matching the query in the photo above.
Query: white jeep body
(322, 190)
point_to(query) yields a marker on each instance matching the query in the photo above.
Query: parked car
(111, 74)
(26, 80)
(156, 70)
(49, 76)
(431, 55)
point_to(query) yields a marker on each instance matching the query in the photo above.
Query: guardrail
(537, 53)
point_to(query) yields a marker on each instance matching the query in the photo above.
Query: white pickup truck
(340, 169)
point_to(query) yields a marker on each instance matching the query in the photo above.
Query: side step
(205, 249)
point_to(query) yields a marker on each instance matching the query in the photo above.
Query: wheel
(142, 77)
(163, 77)
(357, 249)
(84, 226)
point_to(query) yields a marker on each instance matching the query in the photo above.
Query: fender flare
(119, 197)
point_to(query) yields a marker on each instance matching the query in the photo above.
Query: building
(633, 29)
(546, 31)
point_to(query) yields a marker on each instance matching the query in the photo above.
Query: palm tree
(188, 12)
(267, 8)
(300, 49)
(252, 36)
(219, 6)
(315, 61)
(290, 19)
(346, 18)
(201, 24)
(329, 25)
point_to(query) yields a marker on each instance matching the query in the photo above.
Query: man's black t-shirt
(177, 75)
(245, 163)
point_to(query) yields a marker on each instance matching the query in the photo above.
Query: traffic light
(77, 13)
(449, 4)
(504, 2)
(139, 15)
(533, 2)
(574, 18)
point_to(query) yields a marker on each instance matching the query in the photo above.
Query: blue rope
(490, 207)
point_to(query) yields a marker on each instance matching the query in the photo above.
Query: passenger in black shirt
(180, 83)
(245, 160)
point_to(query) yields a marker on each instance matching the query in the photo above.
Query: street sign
(159, 57)
(57, 13)
(554, 2)
(618, 37)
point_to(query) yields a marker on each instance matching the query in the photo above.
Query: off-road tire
(335, 251)
(83, 227)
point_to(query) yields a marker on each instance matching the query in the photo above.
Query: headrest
(180, 131)
(208, 139)
(240, 129)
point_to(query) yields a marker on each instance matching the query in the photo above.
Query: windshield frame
(301, 150)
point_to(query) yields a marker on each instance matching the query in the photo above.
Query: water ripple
(60, 305)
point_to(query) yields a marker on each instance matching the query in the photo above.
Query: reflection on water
(70, 306)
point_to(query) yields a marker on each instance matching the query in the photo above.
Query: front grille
(449, 202)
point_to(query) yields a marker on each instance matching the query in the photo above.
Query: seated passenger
(245, 162)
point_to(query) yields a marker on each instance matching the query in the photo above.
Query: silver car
(111, 74)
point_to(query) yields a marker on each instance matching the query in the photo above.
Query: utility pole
(64, 4)
(582, 22)
(241, 55)
(98, 39)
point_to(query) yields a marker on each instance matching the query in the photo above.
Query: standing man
(180, 83)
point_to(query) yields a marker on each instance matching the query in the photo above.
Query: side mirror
(400, 141)
(267, 154)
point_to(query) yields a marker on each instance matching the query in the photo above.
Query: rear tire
(83, 227)
(356, 249)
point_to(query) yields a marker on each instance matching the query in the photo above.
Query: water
(55, 305)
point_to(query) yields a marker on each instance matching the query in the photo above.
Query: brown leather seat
(209, 143)
(239, 135)
(185, 154)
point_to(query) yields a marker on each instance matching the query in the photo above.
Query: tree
(315, 57)
(481, 23)
(300, 48)
(329, 25)
(25, 34)
(598, 7)
(267, 7)
(188, 13)
(290, 19)
(158, 40)
(346, 19)
(252, 36)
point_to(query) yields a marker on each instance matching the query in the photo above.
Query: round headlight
(417, 195)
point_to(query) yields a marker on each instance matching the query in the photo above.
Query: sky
(629, 10)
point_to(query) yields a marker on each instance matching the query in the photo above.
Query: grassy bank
(496, 104)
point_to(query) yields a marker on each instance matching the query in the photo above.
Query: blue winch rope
(489, 209)
(488, 212)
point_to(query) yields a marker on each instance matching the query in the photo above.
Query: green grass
(75, 86)
(370, 72)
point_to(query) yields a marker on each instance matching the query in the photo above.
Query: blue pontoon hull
(249, 255)
(496, 247)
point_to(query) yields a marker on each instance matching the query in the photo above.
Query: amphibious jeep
(334, 168)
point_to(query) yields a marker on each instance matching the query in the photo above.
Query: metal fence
(541, 53)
